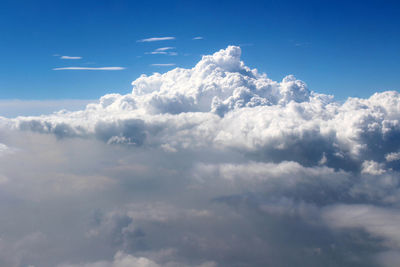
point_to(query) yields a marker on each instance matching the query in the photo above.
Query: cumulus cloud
(216, 165)
(393, 156)
(155, 39)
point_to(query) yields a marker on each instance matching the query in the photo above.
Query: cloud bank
(216, 165)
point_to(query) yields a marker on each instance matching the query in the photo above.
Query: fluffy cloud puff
(217, 165)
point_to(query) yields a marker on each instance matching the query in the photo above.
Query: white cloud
(69, 57)
(156, 39)
(157, 53)
(89, 68)
(372, 167)
(393, 156)
(163, 51)
(163, 64)
(198, 38)
(165, 48)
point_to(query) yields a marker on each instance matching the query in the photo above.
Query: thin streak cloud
(161, 53)
(163, 65)
(156, 53)
(68, 57)
(164, 48)
(155, 39)
(88, 68)
(198, 38)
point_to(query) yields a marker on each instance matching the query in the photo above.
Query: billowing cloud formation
(217, 165)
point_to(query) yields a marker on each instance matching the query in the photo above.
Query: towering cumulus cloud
(217, 165)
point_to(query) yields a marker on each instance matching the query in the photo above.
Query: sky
(199, 134)
(344, 48)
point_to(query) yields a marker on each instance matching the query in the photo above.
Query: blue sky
(345, 48)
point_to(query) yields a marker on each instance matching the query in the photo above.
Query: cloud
(125, 260)
(155, 39)
(163, 64)
(157, 53)
(163, 51)
(165, 48)
(68, 57)
(198, 38)
(378, 221)
(215, 165)
(120, 260)
(88, 68)
(393, 156)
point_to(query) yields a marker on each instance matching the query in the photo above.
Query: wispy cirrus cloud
(155, 39)
(163, 64)
(156, 53)
(198, 38)
(164, 48)
(88, 68)
(161, 53)
(69, 57)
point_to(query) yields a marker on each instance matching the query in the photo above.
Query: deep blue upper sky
(345, 48)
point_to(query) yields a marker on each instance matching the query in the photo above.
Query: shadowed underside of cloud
(216, 165)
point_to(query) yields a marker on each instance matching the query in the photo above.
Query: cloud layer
(216, 165)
